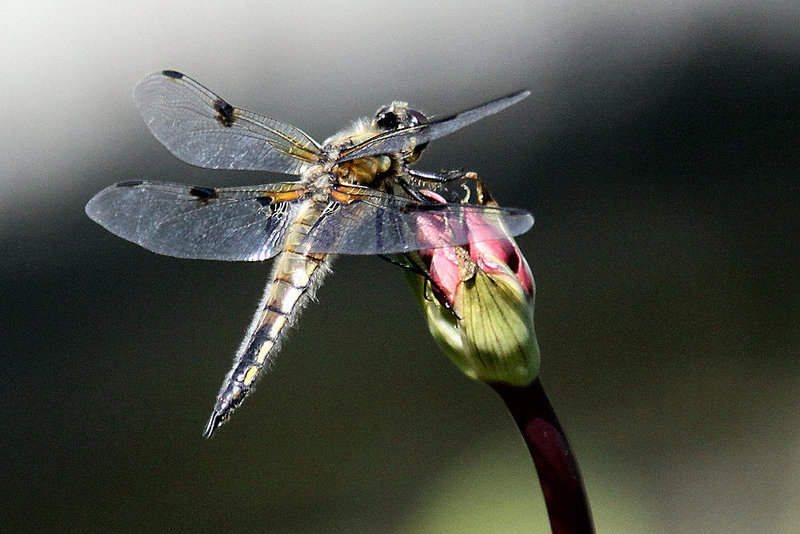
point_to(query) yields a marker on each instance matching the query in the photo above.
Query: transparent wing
(201, 128)
(399, 140)
(247, 223)
(364, 221)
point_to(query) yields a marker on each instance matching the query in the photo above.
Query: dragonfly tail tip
(214, 422)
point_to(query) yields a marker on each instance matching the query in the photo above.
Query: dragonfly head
(398, 116)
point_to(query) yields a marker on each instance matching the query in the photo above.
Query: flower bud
(478, 301)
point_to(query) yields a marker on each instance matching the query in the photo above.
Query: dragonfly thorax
(368, 171)
(362, 171)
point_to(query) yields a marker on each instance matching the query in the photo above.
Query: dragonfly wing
(400, 140)
(235, 224)
(202, 129)
(365, 221)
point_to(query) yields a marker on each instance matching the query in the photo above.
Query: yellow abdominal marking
(300, 278)
(250, 375)
(277, 324)
(263, 351)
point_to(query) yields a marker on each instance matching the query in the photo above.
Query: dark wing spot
(132, 183)
(203, 193)
(172, 74)
(224, 112)
(264, 201)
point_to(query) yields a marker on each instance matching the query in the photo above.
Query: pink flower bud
(479, 304)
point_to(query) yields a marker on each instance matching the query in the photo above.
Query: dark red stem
(562, 485)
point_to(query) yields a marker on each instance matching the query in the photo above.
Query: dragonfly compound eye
(397, 116)
(386, 119)
(416, 117)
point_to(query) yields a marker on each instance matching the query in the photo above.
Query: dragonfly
(356, 194)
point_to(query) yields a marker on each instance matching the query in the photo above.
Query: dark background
(659, 152)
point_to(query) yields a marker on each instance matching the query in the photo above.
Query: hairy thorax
(362, 171)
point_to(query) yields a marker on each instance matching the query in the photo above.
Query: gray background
(659, 152)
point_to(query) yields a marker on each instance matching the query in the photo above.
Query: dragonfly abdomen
(294, 281)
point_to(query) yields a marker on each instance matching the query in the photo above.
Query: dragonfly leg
(440, 178)
(410, 191)
(415, 180)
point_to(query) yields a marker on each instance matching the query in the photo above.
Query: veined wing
(201, 128)
(237, 223)
(365, 221)
(400, 140)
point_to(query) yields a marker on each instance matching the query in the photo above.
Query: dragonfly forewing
(203, 129)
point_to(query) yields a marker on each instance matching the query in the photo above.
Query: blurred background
(660, 154)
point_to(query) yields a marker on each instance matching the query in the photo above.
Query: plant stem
(562, 485)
